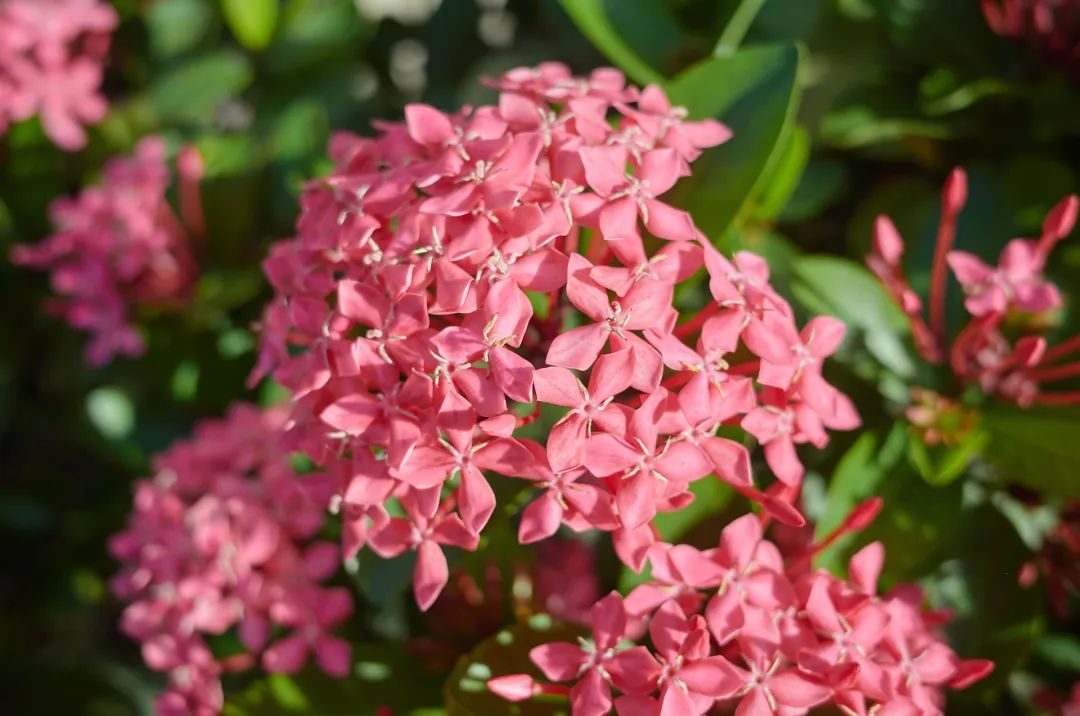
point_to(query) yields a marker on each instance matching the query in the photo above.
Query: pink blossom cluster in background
(117, 245)
(458, 277)
(52, 57)
(1050, 27)
(220, 539)
(987, 352)
(739, 626)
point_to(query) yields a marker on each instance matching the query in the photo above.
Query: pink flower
(220, 540)
(776, 638)
(980, 353)
(52, 55)
(1015, 284)
(459, 277)
(118, 246)
(598, 665)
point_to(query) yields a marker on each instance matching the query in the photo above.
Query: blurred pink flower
(1013, 369)
(117, 246)
(52, 56)
(220, 540)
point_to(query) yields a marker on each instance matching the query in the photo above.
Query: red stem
(1061, 350)
(1070, 398)
(939, 276)
(695, 323)
(953, 197)
(1056, 372)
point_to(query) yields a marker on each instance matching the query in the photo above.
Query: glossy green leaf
(940, 465)
(383, 677)
(465, 692)
(842, 288)
(251, 21)
(175, 26)
(192, 91)
(858, 476)
(639, 36)
(1060, 650)
(784, 174)
(711, 495)
(755, 93)
(1036, 447)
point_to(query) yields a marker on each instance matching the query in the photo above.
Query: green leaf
(1036, 447)
(754, 92)
(940, 465)
(383, 676)
(637, 35)
(820, 185)
(252, 21)
(711, 495)
(191, 92)
(784, 174)
(1061, 650)
(737, 27)
(858, 475)
(844, 289)
(175, 26)
(465, 692)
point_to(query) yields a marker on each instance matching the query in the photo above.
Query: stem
(1056, 372)
(1070, 398)
(191, 169)
(939, 276)
(953, 198)
(747, 368)
(695, 323)
(737, 27)
(678, 380)
(1061, 350)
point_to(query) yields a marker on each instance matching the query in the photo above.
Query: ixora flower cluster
(1050, 27)
(458, 277)
(221, 539)
(119, 245)
(1002, 348)
(52, 56)
(737, 626)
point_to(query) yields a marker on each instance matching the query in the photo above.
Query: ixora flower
(52, 56)
(1051, 28)
(220, 540)
(752, 630)
(458, 277)
(119, 245)
(1002, 348)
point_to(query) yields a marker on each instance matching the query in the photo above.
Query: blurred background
(879, 101)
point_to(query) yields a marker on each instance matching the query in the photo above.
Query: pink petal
(792, 689)
(429, 575)
(476, 499)
(286, 656)
(560, 661)
(579, 347)
(514, 687)
(541, 518)
(428, 125)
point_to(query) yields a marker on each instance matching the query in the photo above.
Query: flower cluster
(736, 625)
(1050, 27)
(1001, 349)
(221, 539)
(52, 55)
(458, 277)
(118, 245)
